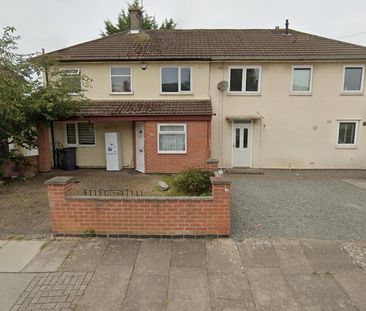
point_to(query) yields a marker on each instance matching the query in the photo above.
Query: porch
(156, 136)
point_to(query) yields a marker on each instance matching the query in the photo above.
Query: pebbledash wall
(140, 216)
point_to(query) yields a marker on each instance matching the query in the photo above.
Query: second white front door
(242, 141)
(140, 153)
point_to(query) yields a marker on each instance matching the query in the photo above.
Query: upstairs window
(80, 134)
(72, 78)
(121, 78)
(245, 79)
(176, 80)
(302, 79)
(347, 133)
(353, 78)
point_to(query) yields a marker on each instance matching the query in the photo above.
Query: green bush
(193, 181)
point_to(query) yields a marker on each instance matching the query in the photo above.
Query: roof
(120, 108)
(211, 44)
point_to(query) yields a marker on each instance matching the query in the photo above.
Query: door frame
(137, 148)
(250, 138)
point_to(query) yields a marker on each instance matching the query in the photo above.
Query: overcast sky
(54, 24)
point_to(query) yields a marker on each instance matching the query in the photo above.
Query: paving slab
(354, 284)
(291, 256)
(229, 290)
(121, 253)
(319, 291)
(85, 256)
(357, 252)
(153, 257)
(218, 304)
(327, 256)
(146, 292)
(3, 242)
(270, 289)
(12, 286)
(15, 255)
(51, 257)
(106, 290)
(223, 256)
(360, 183)
(258, 253)
(188, 290)
(188, 253)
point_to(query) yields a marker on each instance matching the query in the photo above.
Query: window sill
(352, 93)
(80, 146)
(121, 93)
(346, 147)
(301, 94)
(172, 152)
(176, 93)
(243, 94)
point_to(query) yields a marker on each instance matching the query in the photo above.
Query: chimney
(135, 19)
(287, 24)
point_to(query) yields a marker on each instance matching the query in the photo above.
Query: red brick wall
(198, 148)
(141, 216)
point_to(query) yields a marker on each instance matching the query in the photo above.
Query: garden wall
(140, 216)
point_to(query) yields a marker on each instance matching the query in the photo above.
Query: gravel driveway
(299, 204)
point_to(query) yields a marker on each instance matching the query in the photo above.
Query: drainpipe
(52, 131)
(260, 140)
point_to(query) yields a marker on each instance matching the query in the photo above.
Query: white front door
(140, 154)
(242, 141)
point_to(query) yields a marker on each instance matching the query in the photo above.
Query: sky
(55, 24)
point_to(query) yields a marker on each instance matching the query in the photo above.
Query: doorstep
(244, 170)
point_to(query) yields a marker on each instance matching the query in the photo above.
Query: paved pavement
(220, 274)
(329, 205)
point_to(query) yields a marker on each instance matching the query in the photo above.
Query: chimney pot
(287, 25)
(135, 19)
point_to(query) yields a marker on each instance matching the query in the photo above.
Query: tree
(25, 99)
(123, 22)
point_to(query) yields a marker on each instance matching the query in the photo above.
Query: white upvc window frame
(172, 132)
(110, 80)
(179, 81)
(293, 68)
(63, 69)
(353, 92)
(347, 146)
(77, 135)
(244, 80)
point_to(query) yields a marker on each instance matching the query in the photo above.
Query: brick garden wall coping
(150, 215)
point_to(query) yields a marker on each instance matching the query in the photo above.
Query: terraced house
(260, 98)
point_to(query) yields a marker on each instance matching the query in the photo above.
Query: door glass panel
(237, 137)
(245, 138)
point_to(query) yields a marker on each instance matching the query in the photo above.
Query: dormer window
(176, 80)
(121, 80)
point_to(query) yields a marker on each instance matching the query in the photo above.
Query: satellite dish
(222, 86)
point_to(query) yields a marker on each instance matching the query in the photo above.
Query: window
(121, 80)
(302, 79)
(80, 134)
(347, 131)
(176, 80)
(353, 78)
(172, 138)
(245, 79)
(72, 78)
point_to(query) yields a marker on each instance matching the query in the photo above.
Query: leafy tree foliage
(25, 99)
(148, 22)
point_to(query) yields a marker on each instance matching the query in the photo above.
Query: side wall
(198, 148)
